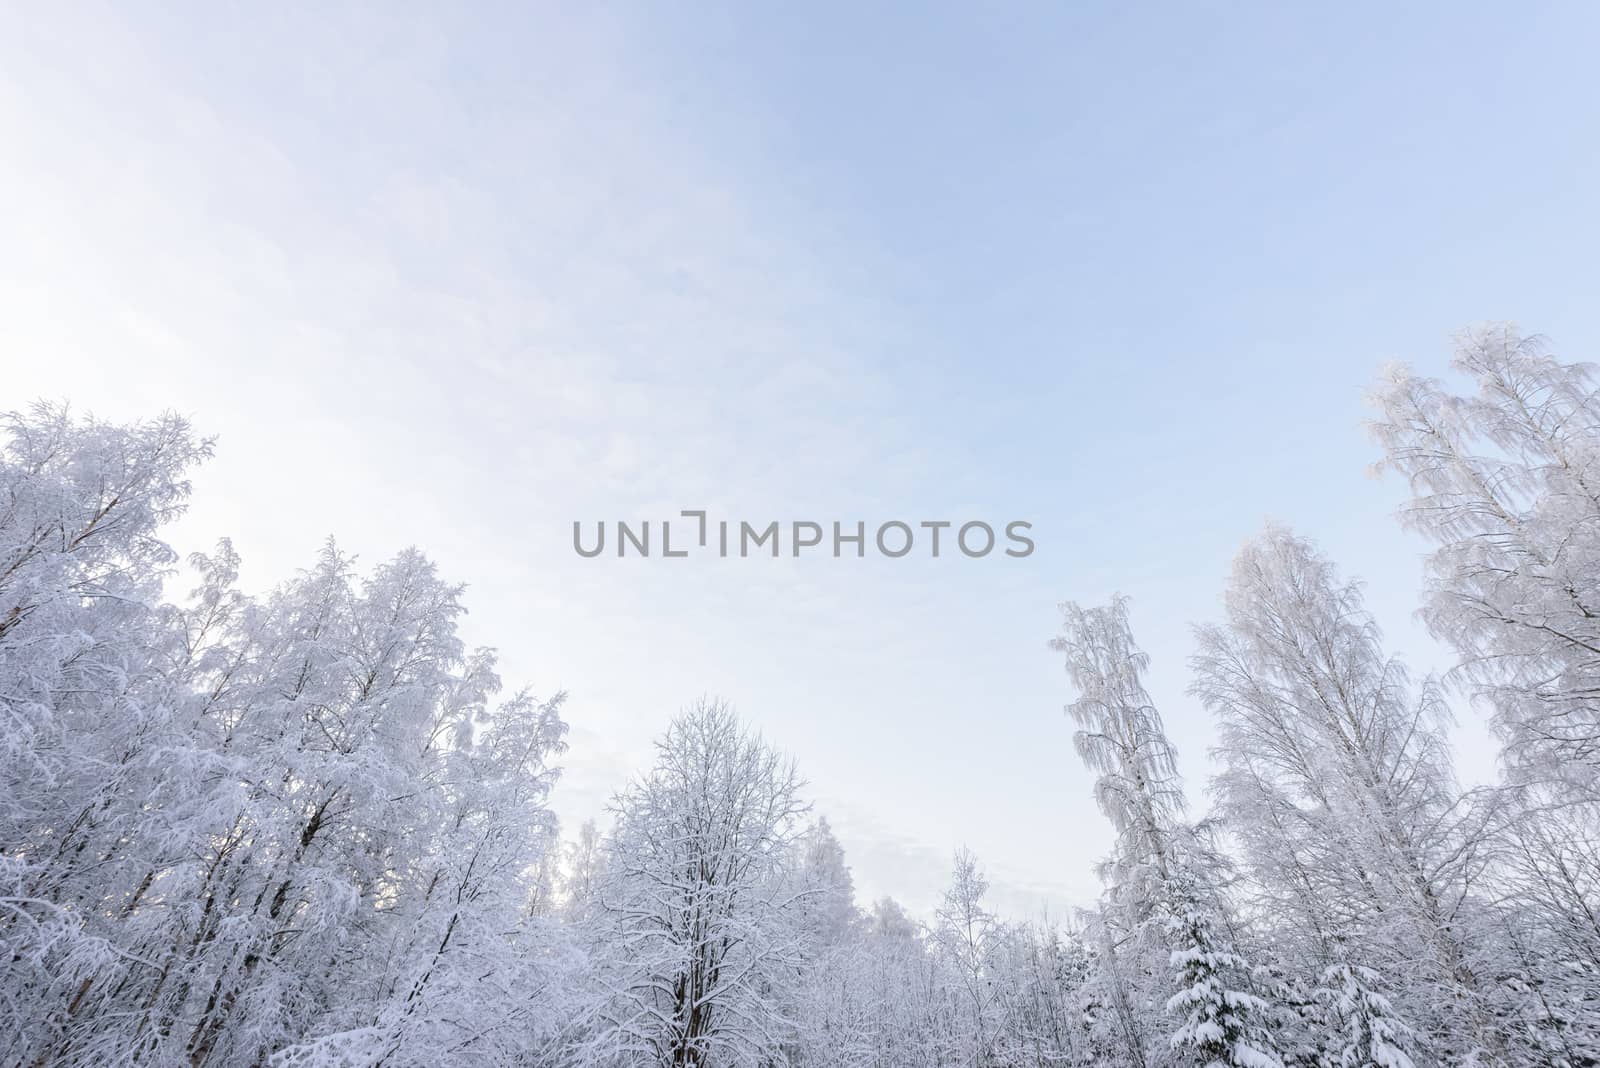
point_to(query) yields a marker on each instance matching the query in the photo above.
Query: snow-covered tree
(827, 910)
(583, 864)
(88, 721)
(914, 1005)
(699, 923)
(1336, 781)
(1221, 1022)
(1506, 482)
(966, 937)
(233, 826)
(1121, 737)
(1363, 1030)
(1166, 902)
(1039, 971)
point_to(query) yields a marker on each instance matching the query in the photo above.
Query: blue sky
(460, 278)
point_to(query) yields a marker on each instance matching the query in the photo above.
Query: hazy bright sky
(459, 279)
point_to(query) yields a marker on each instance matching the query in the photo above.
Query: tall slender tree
(1336, 772)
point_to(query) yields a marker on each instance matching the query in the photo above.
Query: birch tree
(1506, 482)
(86, 714)
(1121, 737)
(1335, 772)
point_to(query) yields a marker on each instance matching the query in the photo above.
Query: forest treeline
(310, 828)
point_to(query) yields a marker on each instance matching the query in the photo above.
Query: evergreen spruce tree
(1360, 1022)
(1223, 1024)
